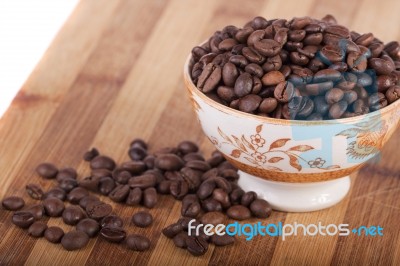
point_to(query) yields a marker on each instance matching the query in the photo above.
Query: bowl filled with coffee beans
(297, 105)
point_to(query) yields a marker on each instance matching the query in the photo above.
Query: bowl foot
(297, 197)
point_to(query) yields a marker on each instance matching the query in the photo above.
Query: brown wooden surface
(114, 72)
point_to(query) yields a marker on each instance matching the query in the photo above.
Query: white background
(27, 27)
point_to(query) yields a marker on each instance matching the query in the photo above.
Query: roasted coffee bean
(267, 47)
(102, 162)
(36, 210)
(74, 240)
(53, 207)
(238, 212)
(47, 170)
(73, 214)
(106, 185)
(252, 55)
(268, 105)
(249, 103)
(90, 154)
(180, 240)
(384, 82)
(213, 218)
(179, 188)
(142, 219)
(137, 242)
(205, 189)
(121, 176)
(357, 62)
(284, 92)
(76, 194)
(338, 109)
(150, 197)
(248, 198)
(53, 234)
(137, 153)
(393, 94)
(318, 88)
(334, 95)
(113, 234)
(68, 184)
(149, 161)
(13, 203)
(169, 162)
(260, 208)
(85, 200)
(111, 221)
(222, 197)
(190, 208)
(196, 245)
(315, 117)
(198, 52)
(239, 61)
(236, 196)
(350, 96)
(99, 173)
(172, 230)
(66, 173)
(359, 107)
(89, 226)
(211, 205)
(255, 36)
(98, 210)
(23, 219)
(56, 193)
(377, 101)
(187, 146)
(199, 165)
(272, 78)
(299, 58)
(243, 85)
(327, 75)
(134, 196)
(143, 181)
(381, 66)
(34, 191)
(209, 78)
(192, 177)
(223, 240)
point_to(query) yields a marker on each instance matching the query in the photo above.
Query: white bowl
(296, 165)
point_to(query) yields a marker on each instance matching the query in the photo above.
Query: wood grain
(114, 72)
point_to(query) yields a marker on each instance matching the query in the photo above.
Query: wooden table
(114, 72)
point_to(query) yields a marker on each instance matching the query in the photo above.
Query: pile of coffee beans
(207, 188)
(299, 69)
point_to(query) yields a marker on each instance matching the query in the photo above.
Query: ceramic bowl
(296, 165)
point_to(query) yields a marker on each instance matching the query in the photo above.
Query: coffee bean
(53, 234)
(88, 226)
(236, 196)
(179, 189)
(142, 219)
(205, 189)
(76, 194)
(377, 101)
(47, 170)
(381, 66)
(238, 212)
(134, 196)
(67, 184)
(164, 187)
(149, 161)
(34, 191)
(223, 240)
(37, 229)
(90, 154)
(99, 173)
(196, 245)
(85, 201)
(119, 193)
(191, 177)
(267, 47)
(284, 92)
(13, 203)
(74, 240)
(56, 193)
(334, 95)
(357, 62)
(137, 153)
(249, 103)
(73, 214)
(211, 205)
(384, 82)
(180, 240)
(98, 210)
(134, 167)
(111, 221)
(169, 162)
(260, 208)
(210, 77)
(102, 162)
(327, 75)
(66, 173)
(338, 109)
(248, 198)
(36, 210)
(137, 242)
(150, 197)
(53, 207)
(190, 208)
(23, 219)
(121, 176)
(350, 96)
(213, 218)
(172, 230)
(143, 181)
(222, 197)
(113, 234)
(272, 78)
(252, 55)
(243, 85)
(187, 146)
(393, 94)
(106, 185)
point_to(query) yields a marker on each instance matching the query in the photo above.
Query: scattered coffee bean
(34, 191)
(56, 193)
(76, 194)
(142, 219)
(111, 221)
(23, 219)
(66, 173)
(74, 240)
(47, 170)
(98, 210)
(89, 226)
(102, 162)
(260, 208)
(13, 203)
(223, 240)
(238, 212)
(180, 240)
(37, 229)
(73, 214)
(213, 218)
(36, 210)
(53, 207)
(150, 197)
(113, 234)
(53, 234)
(85, 200)
(137, 242)
(196, 245)
(90, 154)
